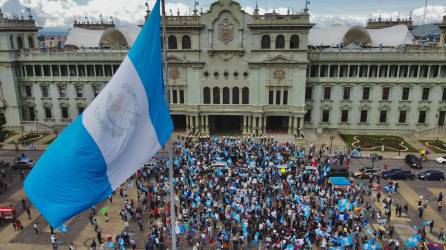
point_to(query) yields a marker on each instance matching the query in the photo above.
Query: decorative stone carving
(279, 74)
(226, 31)
(174, 74)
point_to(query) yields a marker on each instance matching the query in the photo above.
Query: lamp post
(331, 142)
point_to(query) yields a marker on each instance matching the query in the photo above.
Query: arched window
(216, 92)
(11, 40)
(172, 42)
(19, 42)
(235, 96)
(294, 42)
(30, 42)
(280, 42)
(207, 95)
(245, 95)
(266, 42)
(186, 43)
(225, 95)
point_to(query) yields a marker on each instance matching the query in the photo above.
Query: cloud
(60, 13)
(434, 13)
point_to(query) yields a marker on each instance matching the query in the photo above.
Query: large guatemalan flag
(119, 131)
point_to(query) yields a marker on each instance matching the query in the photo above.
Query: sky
(60, 13)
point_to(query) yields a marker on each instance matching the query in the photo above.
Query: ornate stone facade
(231, 72)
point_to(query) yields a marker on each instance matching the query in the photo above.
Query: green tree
(3, 132)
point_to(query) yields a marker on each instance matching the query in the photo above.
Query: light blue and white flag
(122, 129)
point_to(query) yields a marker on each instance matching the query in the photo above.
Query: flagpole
(169, 144)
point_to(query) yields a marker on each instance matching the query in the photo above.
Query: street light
(331, 142)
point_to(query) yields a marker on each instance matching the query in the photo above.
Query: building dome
(357, 35)
(114, 38)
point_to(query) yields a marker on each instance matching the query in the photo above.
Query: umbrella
(103, 210)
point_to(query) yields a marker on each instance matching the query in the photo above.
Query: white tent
(332, 36)
(391, 37)
(337, 35)
(80, 37)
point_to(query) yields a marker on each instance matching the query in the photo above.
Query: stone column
(250, 124)
(206, 121)
(258, 124)
(202, 124)
(187, 123)
(264, 125)
(191, 123)
(290, 124)
(244, 125)
(295, 125)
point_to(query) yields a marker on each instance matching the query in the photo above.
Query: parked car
(398, 174)
(413, 161)
(431, 175)
(23, 165)
(441, 159)
(365, 173)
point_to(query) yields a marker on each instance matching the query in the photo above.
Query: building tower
(442, 26)
(17, 35)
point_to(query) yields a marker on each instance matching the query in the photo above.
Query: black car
(366, 173)
(398, 174)
(431, 175)
(413, 161)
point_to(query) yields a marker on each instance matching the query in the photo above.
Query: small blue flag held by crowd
(126, 124)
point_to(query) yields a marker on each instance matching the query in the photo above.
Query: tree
(3, 132)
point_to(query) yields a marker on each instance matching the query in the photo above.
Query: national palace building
(237, 72)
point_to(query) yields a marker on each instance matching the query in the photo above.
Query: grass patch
(9, 133)
(50, 141)
(374, 142)
(30, 138)
(438, 147)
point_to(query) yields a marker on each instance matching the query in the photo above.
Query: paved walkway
(412, 198)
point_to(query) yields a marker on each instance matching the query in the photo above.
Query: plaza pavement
(81, 232)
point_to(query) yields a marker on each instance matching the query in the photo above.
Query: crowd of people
(242, 194)
(234, 193)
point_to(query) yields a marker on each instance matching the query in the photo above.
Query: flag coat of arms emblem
(121, 129)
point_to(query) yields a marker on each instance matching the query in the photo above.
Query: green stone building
(233, 72)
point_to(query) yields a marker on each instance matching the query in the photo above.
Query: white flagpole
(169, 144)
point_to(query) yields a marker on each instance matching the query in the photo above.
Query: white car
(441, 159)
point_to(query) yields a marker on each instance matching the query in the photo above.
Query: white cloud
(60, 13)
(434, 13)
